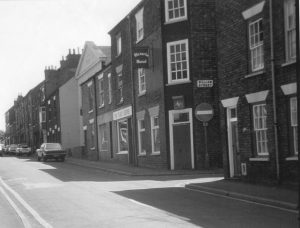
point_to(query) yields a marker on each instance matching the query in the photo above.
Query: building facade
(257, 86)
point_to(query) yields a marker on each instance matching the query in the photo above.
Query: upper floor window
(119, 43)
(176, 10)
(139, 25)
(90, 96)
(290, 29)
(260, 128)
(109, 88)
(142, 81)
(42, 114)
(178, 61)
(120, 87)
(256, 45)
(101, 92)
(294, 123)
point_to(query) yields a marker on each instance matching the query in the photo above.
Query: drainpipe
(134, 127)
(275, 123)
(298, 96)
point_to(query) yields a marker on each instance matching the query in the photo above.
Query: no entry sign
(204, 112)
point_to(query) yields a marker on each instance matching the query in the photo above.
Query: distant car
(51, 150)
(12, 149)
(2, 149)
(23, 149)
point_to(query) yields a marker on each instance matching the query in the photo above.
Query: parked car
(51, 150)
(2, 149)
(23, 149)
(12, 149)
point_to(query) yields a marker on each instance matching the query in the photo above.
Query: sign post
(204, 112)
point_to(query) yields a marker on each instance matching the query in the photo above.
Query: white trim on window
(294, 123)
(101, 92)
(178, 61)
(175, 10)
(141, 131)
(139, 25)
(256, 44)
(290, 30)
(257, 97)
(230, 102)
(119, 44)
(254, 10)
(142, 81)
(289, 89)
(109, 89)
(260, 129)
(154, 133)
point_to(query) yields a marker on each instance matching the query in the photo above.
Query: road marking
(26, 205)
(17, 210)
(243, 200)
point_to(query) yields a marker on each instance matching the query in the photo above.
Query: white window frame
(294, 123)
(290, 32)
(119, 151)
(154, 128)
(142, 83)
(257, 48)
(109, 89)
(101, 92)
(120, 87)
(119, 44)
(92, 146)
(43, 114)
(169, 47)
(90, 96)
(175, 19)
(139, 18)
(261, 132)
(140, 131)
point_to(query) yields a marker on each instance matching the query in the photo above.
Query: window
(119, 44)
(139, 25)
(92, 136)
(123, 136)
(256, 43)
(294, 123)
(109, 89)
(260, 128)
(178, 62)
(42, 114)
(142, 137)
(103, 137)
(101, 92)
(290, 29)
(142, 80)
(175, 10)
(120, 87)
(91, 97)
(155, 135)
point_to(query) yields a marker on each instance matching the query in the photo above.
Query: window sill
(259, 159)
(171, 21)
(142, 155)
(292, 158)
(139, 40)
(155, 153)
(291, 62)
(254, 74)
(141, 94)
(122, 152)
(93, 148)
(101, 106)
(178, 83)
(90, 111)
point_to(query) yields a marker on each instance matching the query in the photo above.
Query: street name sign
(205, 83)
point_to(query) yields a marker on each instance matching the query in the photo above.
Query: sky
(37, 33)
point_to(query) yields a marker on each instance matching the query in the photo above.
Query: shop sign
(141, 57)
(205, 83)
(120, 114)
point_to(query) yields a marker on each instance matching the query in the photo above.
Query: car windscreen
(53, 146)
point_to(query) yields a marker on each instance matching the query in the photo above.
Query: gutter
(275, 122)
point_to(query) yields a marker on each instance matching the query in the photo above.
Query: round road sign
(204, 112)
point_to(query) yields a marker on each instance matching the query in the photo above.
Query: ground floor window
(103, 137)
(142, 136)
(122, 127)
(155, 134)
(294, 123)
(260, 128)
(92, 136)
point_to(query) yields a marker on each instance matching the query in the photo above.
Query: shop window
(155, 137)
(122, 127)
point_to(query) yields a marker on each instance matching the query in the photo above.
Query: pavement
(274, 196)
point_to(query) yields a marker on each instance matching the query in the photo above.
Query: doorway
(181, 139)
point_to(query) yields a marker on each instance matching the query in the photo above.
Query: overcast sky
(37, 33)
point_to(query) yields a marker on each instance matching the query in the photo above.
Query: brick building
(257, 87)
